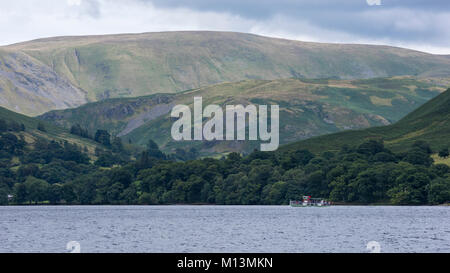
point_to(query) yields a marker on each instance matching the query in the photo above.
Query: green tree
(370, 186)
(26, 170)
(117, 145)
(68, 193)
(439, 191)
(339, 190)
(122, 176)
(423, 145)
(3, 126)
(418, 157)
(55, 193)
(296, 183)
(114, 192)
(37, 189)
(4, 196)
(20, 193)
(440, 169)
(147, 199)
(194, 186)
(297, 158)
(275, 194)
(444, 153)
(371, 147)
(384, 157)
(77, 130)
(317, 184)
(410, 189)
(41, 127)
(153, 150)
(103, 137)
(129, 195)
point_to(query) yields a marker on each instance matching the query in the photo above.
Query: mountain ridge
(94, 68)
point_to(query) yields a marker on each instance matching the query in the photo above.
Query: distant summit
(63, 72)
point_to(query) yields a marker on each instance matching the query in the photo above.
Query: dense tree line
(62, 173)
(114, 152)
(11, 126)
(79, 131)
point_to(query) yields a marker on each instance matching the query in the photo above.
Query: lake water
(224, 229)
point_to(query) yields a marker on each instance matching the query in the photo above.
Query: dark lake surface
(224, 229)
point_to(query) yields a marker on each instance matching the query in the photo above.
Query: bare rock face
(30, 87)
(126, 114)
(153, 113)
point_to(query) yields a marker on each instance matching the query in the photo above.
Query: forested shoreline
(51, 172)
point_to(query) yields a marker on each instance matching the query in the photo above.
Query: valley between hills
(85, 120)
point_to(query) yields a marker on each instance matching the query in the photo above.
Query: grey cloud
(89, 8)
(92, 7)
(419, 24)
(268, 8)
(354, 17)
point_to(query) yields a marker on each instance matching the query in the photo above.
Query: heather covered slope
(63, 72)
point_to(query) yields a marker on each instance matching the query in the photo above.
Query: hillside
(430, 123)
(307, 108)
(30, 87)
(64, 72)
(50, 132)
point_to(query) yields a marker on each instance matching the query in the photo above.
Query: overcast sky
(419, 24)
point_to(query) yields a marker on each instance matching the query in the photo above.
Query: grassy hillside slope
(307, 108)
(50, 132)
(31, 87)
(92, 68)
(430, 122)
